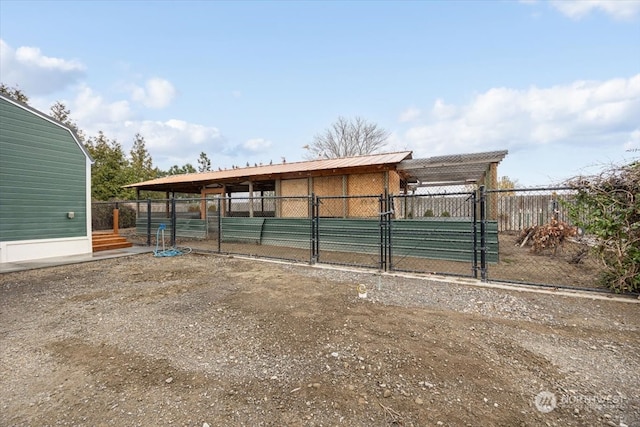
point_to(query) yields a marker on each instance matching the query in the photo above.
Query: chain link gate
(437, 233)
(349, 230)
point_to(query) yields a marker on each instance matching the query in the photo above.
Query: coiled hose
(174, 251)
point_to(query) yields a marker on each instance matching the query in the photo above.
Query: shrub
(607, 206)
(127, 217)
(445, 214)
(102, 216)
(428, 213)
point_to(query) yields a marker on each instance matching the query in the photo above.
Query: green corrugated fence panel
(441, 239)
(194, 228)
(435, 239)
(238, 229)
(190, 228)
(349, 235)
(290, 232)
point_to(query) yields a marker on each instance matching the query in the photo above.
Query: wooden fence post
(116, 221)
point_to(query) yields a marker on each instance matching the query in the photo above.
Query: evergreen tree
(14, 92)
(61, 113)
(204, 164)
(111, 170)
(141, 162)
(141, 166)
(179, 170)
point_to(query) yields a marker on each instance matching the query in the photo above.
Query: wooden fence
(514, 211)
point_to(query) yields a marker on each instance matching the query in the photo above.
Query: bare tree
(347, 138)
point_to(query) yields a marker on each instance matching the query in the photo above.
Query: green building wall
(42, 178)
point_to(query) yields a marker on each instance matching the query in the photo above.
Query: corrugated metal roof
(451, 169)
(273, 170)
(457, 159)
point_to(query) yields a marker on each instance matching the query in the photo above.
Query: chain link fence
(538, 242)
(515, 235)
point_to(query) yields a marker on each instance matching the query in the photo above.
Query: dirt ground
(200, 340)
(516, 263)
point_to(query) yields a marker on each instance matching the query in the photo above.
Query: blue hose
(174, 251)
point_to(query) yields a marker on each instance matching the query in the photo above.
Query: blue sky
(555, 83)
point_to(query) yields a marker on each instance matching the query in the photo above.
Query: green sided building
(45, 186)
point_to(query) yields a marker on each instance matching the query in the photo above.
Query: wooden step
(108, 241)
(111, 246)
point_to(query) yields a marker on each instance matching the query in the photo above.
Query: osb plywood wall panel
(327, 185)
(365, 185)
(294, 187)
(357, 185)
(330, 186)
(298, 205)
(394, 188)
(394, 183)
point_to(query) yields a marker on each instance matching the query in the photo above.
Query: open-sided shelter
(386, 173)
(45, 186)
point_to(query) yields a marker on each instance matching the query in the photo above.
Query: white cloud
(619, 9)
(156, 93)
(633, 143)
(256, 145)
(169, 142)
(176, 141)
(441, 110)
(584, 113)
(93, 111)
(409, 115)
(35, 73)
(32, 56)
(175, 135)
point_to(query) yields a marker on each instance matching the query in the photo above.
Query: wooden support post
(345, 192)
(250, 199)
(493, 185)
(203, 203)
(223, 205)
(278, 206)
(116, 221)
